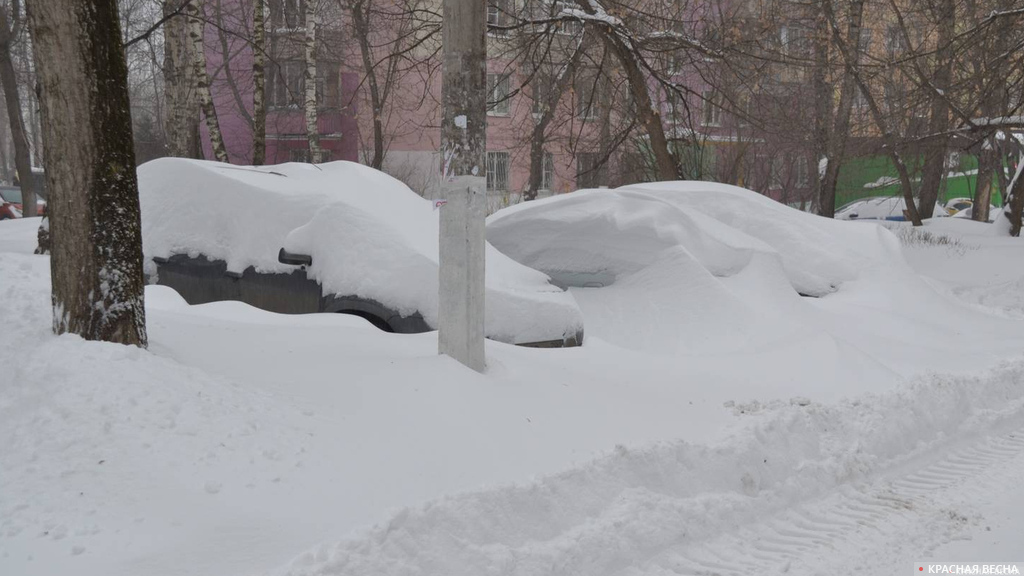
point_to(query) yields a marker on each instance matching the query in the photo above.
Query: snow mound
(597, 237)
(369, 235)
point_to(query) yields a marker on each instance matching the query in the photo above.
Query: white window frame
(710, 114)
(499, 104)
(803, 173)
(499, 167)
(547, 180)
(587, 105)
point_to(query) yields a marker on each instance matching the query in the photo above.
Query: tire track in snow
(817, 530)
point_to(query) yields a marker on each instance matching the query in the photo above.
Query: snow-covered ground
(874, 427)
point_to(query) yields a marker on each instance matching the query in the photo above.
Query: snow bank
(369, 236)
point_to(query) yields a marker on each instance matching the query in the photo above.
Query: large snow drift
(369, 235)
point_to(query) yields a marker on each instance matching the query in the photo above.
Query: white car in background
(336, 237)
(880, 208)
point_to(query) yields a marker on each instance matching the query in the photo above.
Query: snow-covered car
(968, 212)
(880, 208)
(336, 237)
(691, 267)
(955, 205)
(596, 238)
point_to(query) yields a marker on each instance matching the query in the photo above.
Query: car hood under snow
(369, 236)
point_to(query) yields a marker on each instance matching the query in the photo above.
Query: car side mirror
(286, 257)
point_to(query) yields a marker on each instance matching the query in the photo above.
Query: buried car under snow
(336, 237)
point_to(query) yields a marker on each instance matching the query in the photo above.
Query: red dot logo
(920, 569)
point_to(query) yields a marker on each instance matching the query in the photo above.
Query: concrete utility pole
(463, 153)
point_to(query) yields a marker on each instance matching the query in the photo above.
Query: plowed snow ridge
(807, 478)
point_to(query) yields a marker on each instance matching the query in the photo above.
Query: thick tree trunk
(938, 123)
(259, 81)
(96, 263)
(463, 155)
(309, 98)
(9, 81)
(988, 163)
(181, 121)
(838, 137)
(202, 80)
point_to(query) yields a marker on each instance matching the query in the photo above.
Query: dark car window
(12, 195)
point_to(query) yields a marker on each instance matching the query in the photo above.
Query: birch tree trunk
(938, 123)
(259, 80)
(96, 264)
(181, 121)
(309, 101)
(202, 80)
(8, 78)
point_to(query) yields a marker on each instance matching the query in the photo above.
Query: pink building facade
(576, 146)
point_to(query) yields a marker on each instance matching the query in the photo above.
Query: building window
(303, 155)
(794, 41)
(589, 171)
(328, 88)
(498, 100)
(711, 112)
(803, 175)
(547, 181)
(673, 103)
(287, 14)
(588, 93)
(499, 13)
(775, 173)
(895, 43)
(864, 45)
(497, 171)
(541, 93)
(567, 26)
(285, 85)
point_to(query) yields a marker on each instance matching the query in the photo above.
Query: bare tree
(96, 263)
(181, 122)
(259, 80)
(202, 79)
(309, 98)
(9, 29)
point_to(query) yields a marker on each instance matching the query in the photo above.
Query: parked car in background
(880, 208)
(11, 195)
(957, 204)
(9, 210)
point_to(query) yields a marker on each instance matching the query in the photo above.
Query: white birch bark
(203, 81)
(259, 104)
(309, 99)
